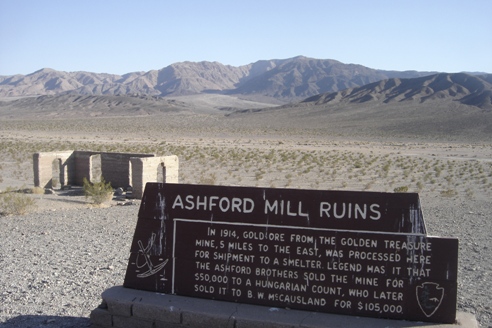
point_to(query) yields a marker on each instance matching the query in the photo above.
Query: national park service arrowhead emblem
(429, 297)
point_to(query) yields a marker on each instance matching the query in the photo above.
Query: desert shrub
(449, 193)
(37, 190)
(258, 175)
(401, 189)
(208, 179)
(13, 202)
(98, 192)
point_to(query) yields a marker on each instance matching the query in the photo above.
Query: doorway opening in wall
(130, 176)
(161, 173)
(57, 178)
(95, 168)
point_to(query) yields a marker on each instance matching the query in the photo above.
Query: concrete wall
(57, 169)
(114, 167)
(153, 169)
(83, 167)
(53, 169)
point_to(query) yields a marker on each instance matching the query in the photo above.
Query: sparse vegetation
(208, 179)
(37, 190)
(317, 163)
(98, 192)
(401, 189)
(449, 193)
(15, 202)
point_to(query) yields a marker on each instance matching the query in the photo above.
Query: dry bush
(449, 193)
(401, 189)
(37, 190)
(99, 192)
(208, 179)
(14, 202)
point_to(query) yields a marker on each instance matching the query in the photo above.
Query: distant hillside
(48, 81)
(448, 107)
(464, 88)
(85, 106)
(283, 80)
(440, 107)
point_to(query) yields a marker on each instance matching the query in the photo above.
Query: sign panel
(247, 245)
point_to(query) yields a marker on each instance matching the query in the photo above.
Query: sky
(122, 36)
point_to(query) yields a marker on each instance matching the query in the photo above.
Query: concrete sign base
(124, 307)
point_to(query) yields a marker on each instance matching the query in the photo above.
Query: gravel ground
(470, 222)
(54, 264)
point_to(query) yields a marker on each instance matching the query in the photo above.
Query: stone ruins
(123, 170)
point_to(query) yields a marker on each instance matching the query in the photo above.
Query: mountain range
(273, 81)
(296, 91)
(291, 94)
(461, 87)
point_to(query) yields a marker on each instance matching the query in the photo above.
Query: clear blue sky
(120, 36)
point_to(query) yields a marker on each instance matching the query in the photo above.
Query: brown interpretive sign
(355, 253)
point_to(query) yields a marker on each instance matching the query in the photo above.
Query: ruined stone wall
(53, 169)
(57, 169)
(113, 167)
(154, 169)
(83, 166)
